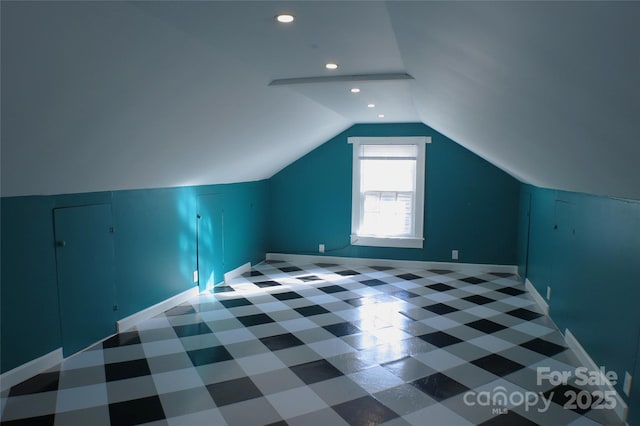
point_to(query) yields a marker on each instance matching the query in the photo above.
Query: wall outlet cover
(548, 293)
(454, 254)
(195, 276)
(321, 248)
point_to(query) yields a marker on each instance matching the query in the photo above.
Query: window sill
(399, 242)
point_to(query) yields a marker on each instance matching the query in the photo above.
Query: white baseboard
(237, 272)
(30, 369)
(537, 297)
(130, 321)
(418, 264)
(621, 408)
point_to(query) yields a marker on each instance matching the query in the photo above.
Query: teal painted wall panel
(587, 249)
(78, 200)
(245, 223)
(210, 237)
(524, 214)
(156, 238)
(470, 205)
(541, 248)
(29, 291)
(85, 266)
(154, 246)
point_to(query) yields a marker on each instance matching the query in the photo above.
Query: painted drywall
(545, 90)
(123, 82)
(155, 254)
(120, 88)
(524, 212)
(587, 249)
(470, 205)
(29, 299)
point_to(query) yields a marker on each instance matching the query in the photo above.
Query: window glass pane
(405, 212)
(388, 214)
(372, 202)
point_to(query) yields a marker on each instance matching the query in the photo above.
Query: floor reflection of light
(366, 292)
(363, 340)
(399, 320)
(389, 351)
(390, 335)
(370, 316)
(384, 311)
(288, 281)
(370, 323)
(327, 277)
(243, 287)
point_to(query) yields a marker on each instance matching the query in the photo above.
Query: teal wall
(29, 314)
(470, 205)
(587, 248)
(155, 254)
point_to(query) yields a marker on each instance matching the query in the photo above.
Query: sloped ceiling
(548, 91)
(102, 96)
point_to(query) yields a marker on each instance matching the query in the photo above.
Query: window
(388, 191)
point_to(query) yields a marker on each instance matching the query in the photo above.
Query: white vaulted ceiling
(110, 95)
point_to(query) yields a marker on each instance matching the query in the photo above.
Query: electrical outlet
(454, 254)
(195, 276)
(321, 248)
(548, 292)
(626, 388)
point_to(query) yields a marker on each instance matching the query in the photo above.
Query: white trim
(371, 241)
(90, 345)
(417, 264)
(30, 369)
(130, 321)
(389, 140)
(621, 408)
(237, 272)
(537, 297)
(416, 240)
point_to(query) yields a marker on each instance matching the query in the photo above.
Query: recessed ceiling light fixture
(285, 18)
(355, 90)
(371, 106)
(380, 115)
(331, 66)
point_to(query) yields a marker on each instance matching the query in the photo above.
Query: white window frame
(415, 241)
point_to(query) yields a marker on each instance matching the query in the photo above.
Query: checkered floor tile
(321, 344)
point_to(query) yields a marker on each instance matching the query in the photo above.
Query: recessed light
(355, 90)
(285, 18)
(380, 115)
(371, 106)
(331, 66)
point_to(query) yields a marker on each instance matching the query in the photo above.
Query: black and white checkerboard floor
(320, 344)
